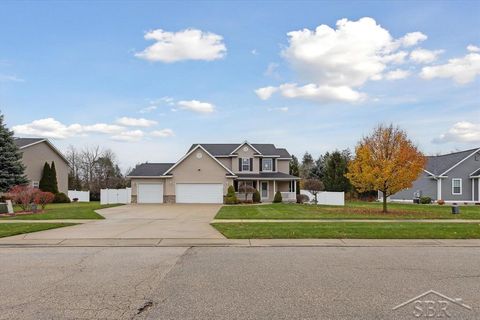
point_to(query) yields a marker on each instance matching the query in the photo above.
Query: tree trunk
(384, 202)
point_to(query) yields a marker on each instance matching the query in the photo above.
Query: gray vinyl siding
(425, 184)
(462, 171)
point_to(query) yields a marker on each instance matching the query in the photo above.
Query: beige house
(37, 151)
(205, 172)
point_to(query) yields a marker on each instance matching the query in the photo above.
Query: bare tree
(314, 186)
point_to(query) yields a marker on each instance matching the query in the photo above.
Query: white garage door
(199, 192)
(150, 193)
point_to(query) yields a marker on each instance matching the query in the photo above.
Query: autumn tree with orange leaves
(385, 161)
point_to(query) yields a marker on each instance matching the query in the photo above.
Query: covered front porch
(267, 189)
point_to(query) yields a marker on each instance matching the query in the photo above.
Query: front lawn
(11, 229)
(349, 230)
(351, 210)
(78, 210)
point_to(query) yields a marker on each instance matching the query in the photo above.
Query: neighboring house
(37, 151)
(204, 174)
(449, 177)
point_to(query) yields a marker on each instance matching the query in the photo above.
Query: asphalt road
(238, 283)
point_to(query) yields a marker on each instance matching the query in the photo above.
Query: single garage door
(199, 192)
(150, 193)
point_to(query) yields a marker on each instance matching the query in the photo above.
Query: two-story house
(205, 172)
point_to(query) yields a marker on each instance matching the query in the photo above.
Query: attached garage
(150, 193)
(199, 192)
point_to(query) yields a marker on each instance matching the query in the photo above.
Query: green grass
(11, 229)
(351, 210)
(349, 230)
(79, 210)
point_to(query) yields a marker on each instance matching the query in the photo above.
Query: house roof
(150, 169)
(23, 142)
(438, 165)
(476, 173)
(225, 149)
(266, 175)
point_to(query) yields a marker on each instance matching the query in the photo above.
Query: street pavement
(238, 282)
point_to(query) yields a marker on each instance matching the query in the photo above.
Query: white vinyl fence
(111, 196)
(326, 197)
(82, 196)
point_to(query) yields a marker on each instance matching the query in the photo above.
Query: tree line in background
(93, 169)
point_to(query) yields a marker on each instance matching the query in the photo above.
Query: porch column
(259, 189)
(478, 185)
(274, 188)
(439, 189)
(294, 186)
(473, 189)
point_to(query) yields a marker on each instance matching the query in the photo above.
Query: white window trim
(271, 165)
(453, 186)
(244, 164)
(36, 184)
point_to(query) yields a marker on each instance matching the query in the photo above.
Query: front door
(264, 185)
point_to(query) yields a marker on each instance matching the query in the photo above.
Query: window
(456, 186)
(267, 165)
(245, 164)
(35, 184)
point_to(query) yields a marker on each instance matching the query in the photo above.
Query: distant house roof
(476, 173)
(438, 165)
(150, 169)
(23, 143)
(266, 175)
(225, 149)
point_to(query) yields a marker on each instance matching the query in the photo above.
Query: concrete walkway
(344, 220)
(49, 221)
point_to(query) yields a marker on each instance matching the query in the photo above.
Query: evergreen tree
(53, 179)
(334, 171)
(45, 182)
(307, 166)
(294, 170)
(11, 166)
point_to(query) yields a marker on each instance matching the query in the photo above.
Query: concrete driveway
(143, 222)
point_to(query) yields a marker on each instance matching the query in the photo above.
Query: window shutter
(261, 164)
(239, 164)
(274, 164)
(251, 164)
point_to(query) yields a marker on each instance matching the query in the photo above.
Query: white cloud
(129, 136)
(10, 78)
(197, 106)
(282, 109)
(462, 70)
(47, 128)
(412, 38)
(189, 44)
(333, 62)
(424, 56)
(102, 128)
(272, 70)
(473, 48)
(397, 74)
(266, 92)
(163, 133)
(135, 122)
(148, 109)
(463, 131)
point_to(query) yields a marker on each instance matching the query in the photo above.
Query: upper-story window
(267, 165)
(245, 164)
(35, 184)
(456, 186)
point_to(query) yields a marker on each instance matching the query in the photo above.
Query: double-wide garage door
(199, 192)
(150, 193)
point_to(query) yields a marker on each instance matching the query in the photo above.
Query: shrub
(61, 198)
(302, 198)
(43, 198)
(256, 196)
(231, 197)
(23, 196)
(278, 197)
(425, 200)
(441, 202)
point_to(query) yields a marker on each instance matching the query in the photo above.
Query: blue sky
(82, 73)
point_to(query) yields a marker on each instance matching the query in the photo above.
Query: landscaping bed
(351, 210)
(349, 230)
(11, 229)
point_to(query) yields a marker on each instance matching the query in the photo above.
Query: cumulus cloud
(196, 106)
(164, 133)
(334, 62)
(136, 122)
(189, 44)
(128, 136)
(462, 131)
(473, 48)
(424, 56)
(48, 128)
(102, 128)
(462, 70)
(397, 74)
